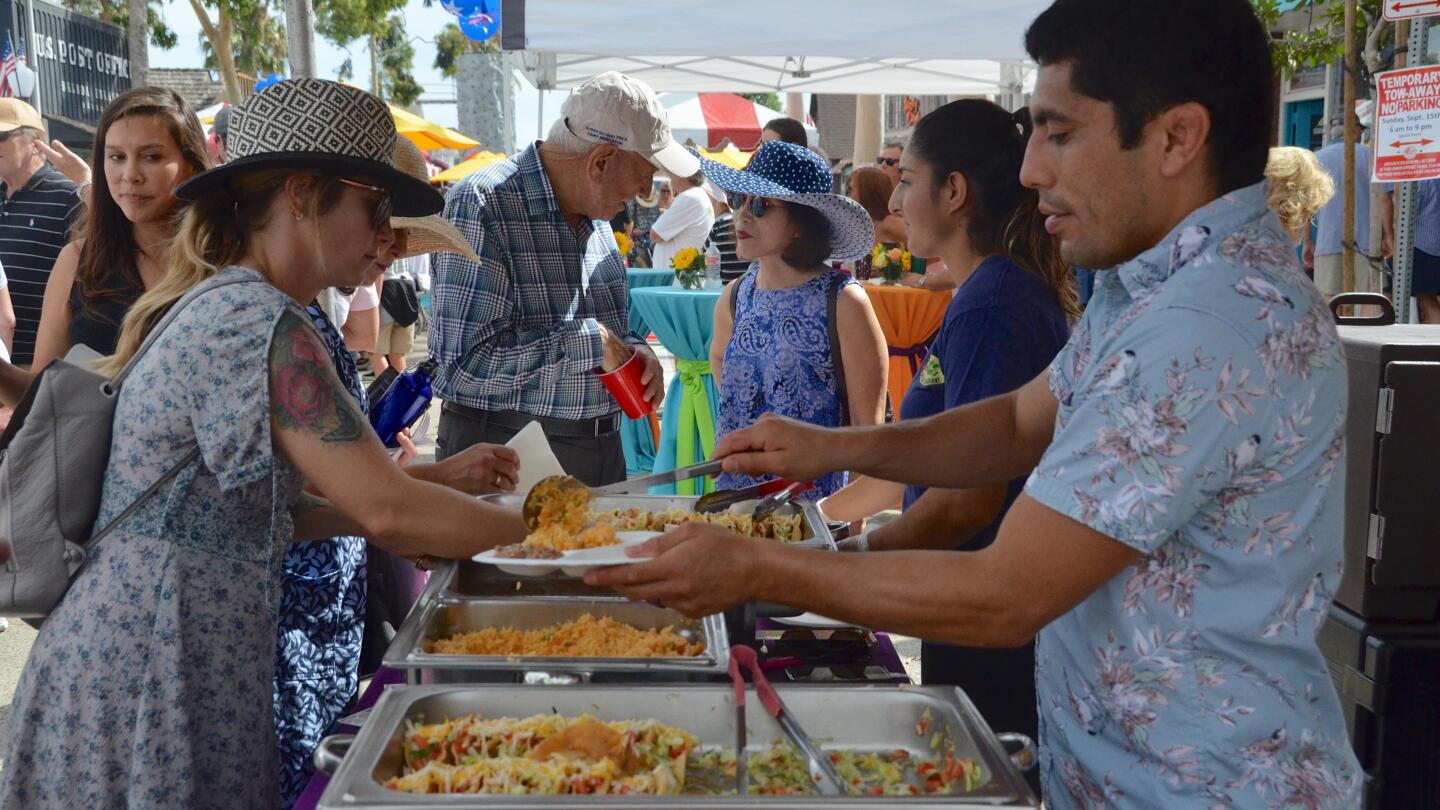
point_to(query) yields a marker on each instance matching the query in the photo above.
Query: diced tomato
(875, 791)
(922, 727)
(835, 758)
(677, 750)
(914, 791)
(925, 767)
(900, 754)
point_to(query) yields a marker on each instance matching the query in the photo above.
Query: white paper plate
(814, 621)
(574, 563)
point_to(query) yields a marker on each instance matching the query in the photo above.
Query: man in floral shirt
(1179, 539)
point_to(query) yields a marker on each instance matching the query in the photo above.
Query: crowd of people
(1121, 526)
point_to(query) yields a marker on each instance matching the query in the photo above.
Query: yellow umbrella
(427, 135)
(462, 170)
(731, 156)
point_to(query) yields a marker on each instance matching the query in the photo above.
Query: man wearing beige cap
(37, 206)
(520, 334)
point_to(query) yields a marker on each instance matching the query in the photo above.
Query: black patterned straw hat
(319, 125)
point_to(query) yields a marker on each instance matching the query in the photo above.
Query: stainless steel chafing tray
(814, 531)
(864, 718)
(442, 617)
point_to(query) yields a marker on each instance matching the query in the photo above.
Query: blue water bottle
(403, 402)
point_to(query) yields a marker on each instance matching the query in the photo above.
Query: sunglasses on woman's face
(884, 161)
(382, 207)
(737, 202)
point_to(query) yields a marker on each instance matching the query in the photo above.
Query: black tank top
(97, 323)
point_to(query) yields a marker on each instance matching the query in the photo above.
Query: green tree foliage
(397, 57)
(380, 24)
(117, 12)
(771, 100)
(259, 44)
(241, 36)
(452, 42)
(1322, 37)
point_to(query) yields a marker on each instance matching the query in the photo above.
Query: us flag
(8, 62)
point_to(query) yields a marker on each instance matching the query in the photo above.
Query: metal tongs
(774, 494)
(821, 769)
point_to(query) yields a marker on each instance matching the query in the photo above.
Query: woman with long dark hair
(961, 198)
(147, 142)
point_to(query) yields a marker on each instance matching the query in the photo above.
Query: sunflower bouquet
(689, 267)
(624, 243)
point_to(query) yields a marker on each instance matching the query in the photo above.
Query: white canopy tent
(914, 47)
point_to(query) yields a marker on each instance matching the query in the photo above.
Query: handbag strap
(113, 386)
(837, 358)
(144, 496)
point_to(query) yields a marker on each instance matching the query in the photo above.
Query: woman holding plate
(151, 683)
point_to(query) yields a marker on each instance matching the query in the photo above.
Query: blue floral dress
(150, 684)
(778, 361)
(322, 617)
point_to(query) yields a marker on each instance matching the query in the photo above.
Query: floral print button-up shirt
(1201, 422)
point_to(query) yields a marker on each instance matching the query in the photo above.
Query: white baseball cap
(616, 109)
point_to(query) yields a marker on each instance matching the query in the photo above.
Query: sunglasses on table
(382, 207)
(758, 205)
(884, 161)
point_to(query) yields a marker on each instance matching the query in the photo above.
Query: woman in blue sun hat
(793, 336)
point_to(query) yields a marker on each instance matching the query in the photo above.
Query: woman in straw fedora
(150, 685)
(337, 597)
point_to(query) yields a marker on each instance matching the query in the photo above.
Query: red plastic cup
(624, 385)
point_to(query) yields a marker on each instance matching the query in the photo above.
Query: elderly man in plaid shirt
(520, 335)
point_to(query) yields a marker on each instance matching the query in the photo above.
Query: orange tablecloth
(909, 317)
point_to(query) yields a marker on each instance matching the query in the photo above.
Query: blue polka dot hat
(796, 175)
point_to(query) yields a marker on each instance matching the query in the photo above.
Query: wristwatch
(924, 280)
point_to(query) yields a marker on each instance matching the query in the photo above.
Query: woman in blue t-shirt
(962, 200)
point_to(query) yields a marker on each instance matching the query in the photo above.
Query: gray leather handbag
(52, 468)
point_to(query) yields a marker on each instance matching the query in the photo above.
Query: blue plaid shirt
(520, 331)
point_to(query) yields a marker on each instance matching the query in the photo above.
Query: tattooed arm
(317, 519)
(318, 427)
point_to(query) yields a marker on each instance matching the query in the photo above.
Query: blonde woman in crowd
(1299, 188)
(150, 685)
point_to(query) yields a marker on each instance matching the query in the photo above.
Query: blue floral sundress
(322, 619)
(778, 361)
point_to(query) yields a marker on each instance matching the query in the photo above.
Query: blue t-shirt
(1328, 219)
(1427, 216)
(1001, 331)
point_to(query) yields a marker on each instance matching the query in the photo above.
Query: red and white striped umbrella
(710, 119)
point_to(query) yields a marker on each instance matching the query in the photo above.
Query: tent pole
(795, 106)
(869, 128)
(1347, 256)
